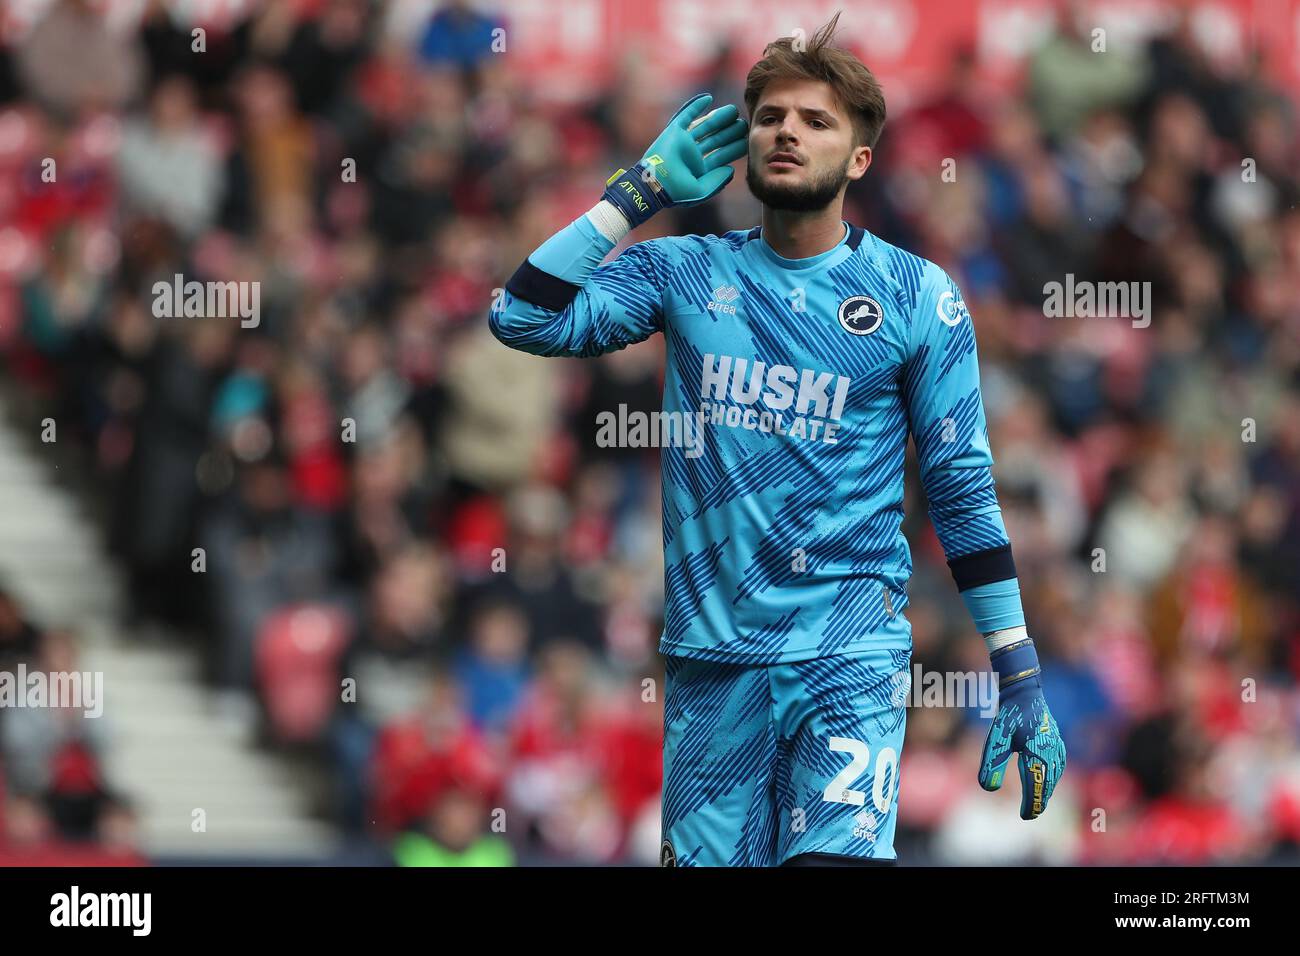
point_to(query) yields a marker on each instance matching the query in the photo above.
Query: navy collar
(856, 234)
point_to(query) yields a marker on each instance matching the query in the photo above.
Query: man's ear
(859, 162)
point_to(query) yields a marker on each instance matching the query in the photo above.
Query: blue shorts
(766, 762)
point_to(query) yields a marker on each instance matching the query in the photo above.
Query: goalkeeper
(808, 350)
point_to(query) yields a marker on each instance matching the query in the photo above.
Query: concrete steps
(173, 745)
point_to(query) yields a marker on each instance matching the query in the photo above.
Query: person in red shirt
(419, 757)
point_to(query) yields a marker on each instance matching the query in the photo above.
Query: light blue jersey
(781, 525)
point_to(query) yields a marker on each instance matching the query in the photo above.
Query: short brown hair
(855, 86)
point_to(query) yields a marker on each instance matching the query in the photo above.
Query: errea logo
(864, 826)
(723, 295)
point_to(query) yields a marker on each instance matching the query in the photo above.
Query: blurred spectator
(427, 754)
(458, 34)
(108, 62)
(1080, 69)
(169, 165)
(270, 170)
(19, 640)
(493, 669)
(51, 755)
(454, 836)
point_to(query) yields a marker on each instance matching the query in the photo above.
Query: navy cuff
(541, 288)
(983, 567)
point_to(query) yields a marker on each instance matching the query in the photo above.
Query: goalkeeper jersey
(791, 387)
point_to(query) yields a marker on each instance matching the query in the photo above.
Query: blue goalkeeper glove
(689, 163)
(1023, 724)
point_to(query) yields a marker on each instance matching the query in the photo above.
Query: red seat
(298, 650)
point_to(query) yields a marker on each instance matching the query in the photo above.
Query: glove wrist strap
(1016, 663)
(636, 193)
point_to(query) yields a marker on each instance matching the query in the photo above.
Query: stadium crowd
(391, 502)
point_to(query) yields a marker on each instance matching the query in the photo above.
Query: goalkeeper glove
(689, 163)
(1025, 725)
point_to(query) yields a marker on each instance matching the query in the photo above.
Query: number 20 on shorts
(838, 790)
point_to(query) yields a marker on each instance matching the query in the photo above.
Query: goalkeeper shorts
(763, 763)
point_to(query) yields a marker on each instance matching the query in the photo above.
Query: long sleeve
(562, 301)
(946, 415)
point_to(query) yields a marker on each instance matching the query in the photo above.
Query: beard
(816, 192)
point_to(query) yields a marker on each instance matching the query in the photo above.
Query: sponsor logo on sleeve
(951, 308)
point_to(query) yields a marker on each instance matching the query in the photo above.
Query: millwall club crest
(861, 314)
(667, 855)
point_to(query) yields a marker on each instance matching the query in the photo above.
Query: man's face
(801, 147)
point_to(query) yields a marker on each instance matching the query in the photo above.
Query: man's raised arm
(562, 301)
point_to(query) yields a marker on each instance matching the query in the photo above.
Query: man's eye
(819, 123)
